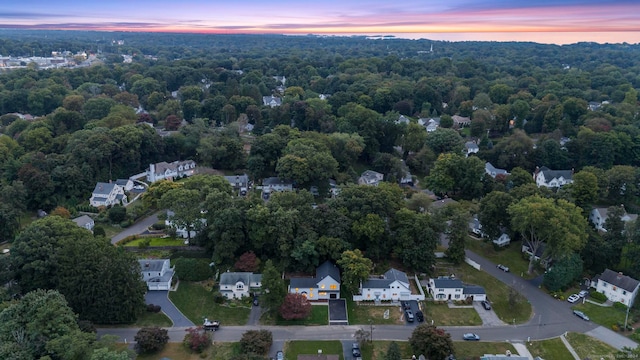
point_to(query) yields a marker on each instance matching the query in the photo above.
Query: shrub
(144, 243)
(295, 306)
(154, 308)
(160, 225)
(125, 224)
(151, 339)
(192, 269)
(117, 214)
(256, 342)
(196, 340)
(598, 296)
(619, 306)
(615, 327)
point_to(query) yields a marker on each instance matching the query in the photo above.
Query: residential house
(471, 147)
(392, 286)
(439, 204)
(598, 217)
(450, 288)
(157, 273)
(325, 285)
(403, 120)
(180, 230)
(370, 177)
(271, 184)
(271, 101)
(552, 178)
(236, 285)
(461, 121)
(107, 194)
(545, 261)
(475, 227)
(281, 79)
(594, 105)
(506, 356)
(430, 124)
(502, 240)
(494, 171)
(85, 221)
(616, 286)
(239, 183)
(324, 96)
(170, 171)
(126, 184)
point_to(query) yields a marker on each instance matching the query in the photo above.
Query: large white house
(325, 285)
(170, 171)
(157, 273)
(370, 177)
(552, 178)
(392, 286)
(271, 184)
(616, 286)
(236, 285)
(598, 217)
(447, 288)
(107, 194)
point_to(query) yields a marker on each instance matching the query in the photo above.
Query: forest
(201, 97)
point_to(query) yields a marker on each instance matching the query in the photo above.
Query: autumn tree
(196, 340)
(295, 306)
(256, 342)
(248, 261)
(355, 268)
(432, 342)
(151, 340)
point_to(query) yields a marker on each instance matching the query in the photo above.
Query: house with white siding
(446, 288)
(156, 273)
(598, 217)
(107, 194)
(324, 285)
(170, 171)
(85, 221)
(552, 178)
(236, 285)
(392, 286)
(616, 286)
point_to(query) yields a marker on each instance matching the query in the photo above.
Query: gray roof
(275, 181)
(556, 174)
(473, 290)
(100, 199)
(122, 182)
(446, 283)
(303, 282)
(231, 278)
(371, 177)
(83, 220)
(384, 281)
(471, 145)
(328, 268)
(618, 279)
(103, 188)
(493, 171)
(237, 179)
(151, 264)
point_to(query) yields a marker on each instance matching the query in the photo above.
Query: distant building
(271, 184)
(552, 178)
(107, 194)
(370, 177)
(170, 171)
(85, 221)
(598, 217)
(494, 171)
(271, 101)
(471, 147)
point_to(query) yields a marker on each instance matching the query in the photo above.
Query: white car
(573, 298)
(583, 293)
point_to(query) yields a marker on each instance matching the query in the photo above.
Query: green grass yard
(196, 303)
(442, 315)
(157, 242)
(510, 255)
(549, 349)
(588, 347)
(294, 348)
(147, 319)
(319, 316)
(606, 316)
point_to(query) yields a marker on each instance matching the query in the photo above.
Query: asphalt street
(137, 228)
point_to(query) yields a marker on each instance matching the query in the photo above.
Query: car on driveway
(355, 351)
(581, 315)
(406, 305)
(503, 268)
(255, 301)
(583, 293)
(573, 298)
(471, 337)
(409, 315)
(486, 305)
(419, 316)
(279, 355)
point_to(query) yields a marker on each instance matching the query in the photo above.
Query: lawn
(474, 349)
(549, 349)
(605, 316)
(497, 293)
(442, 315)
(196, 303)
(157, 242)
(588, 347)
(319, 316)
(509, 255)
(294, 348)
(153, 319)
(175, 351)
(361, 314)
(378, 350)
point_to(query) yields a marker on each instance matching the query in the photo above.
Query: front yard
(362, 314)
(607, 316)
(442, 315)
(176, 351)
(588, 347)
(155, 241)
(294, 348)
(319, 316)
(549, 349)
(197, 302)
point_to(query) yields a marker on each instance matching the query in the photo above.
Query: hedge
(193, 269)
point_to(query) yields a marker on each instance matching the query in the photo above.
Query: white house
(370, 177)
(271, 101)
(271, 184)
(430, 124)
(126, 184)
(107, 194)
(85, 221)
(502, 240)
(325, 285)
(239, 183)
(392, 286)
(157, 273)
(403, 120)
(475, 227)
(170, 171)
(494, 171)
(236, 285)
(616, 286)
(447, 288)
(598, 216)
(182, 231)
(471, 147)
(552, 178)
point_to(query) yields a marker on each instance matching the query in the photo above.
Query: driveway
(137, 228)
(488, 317)
(254, 315)
(337, 312)
(162, 298)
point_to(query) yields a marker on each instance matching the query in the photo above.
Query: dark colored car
(406, 305)
(581, 315)
(486, 305)
(419, 316)
(355, 350)
(255, 301)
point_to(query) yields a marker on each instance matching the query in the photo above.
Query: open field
(175, 351)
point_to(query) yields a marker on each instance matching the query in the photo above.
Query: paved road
(137, 228)
(254, 315)
(162, 298)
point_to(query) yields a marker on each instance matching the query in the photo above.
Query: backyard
(510, 255)
(197, 302)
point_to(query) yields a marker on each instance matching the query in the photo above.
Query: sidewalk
(612, 338)
(522, 350)
(569, 347)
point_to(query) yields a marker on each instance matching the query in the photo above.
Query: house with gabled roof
(552, 178)
(239, 183)
(156, 273)
(271, 101)
(471, 147)
(430, 124)
(393, 285)
(126, 184)
(494, 171)
(236, 285)
(446, 288)
(599, 215)
(107, 194)
(85, 221)
(274, 183)
(616, 286)
(461, 121)
(402, 120)
(370, 177)
(324, 285)
(170, 171)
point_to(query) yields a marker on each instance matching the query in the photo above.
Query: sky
(544, 21)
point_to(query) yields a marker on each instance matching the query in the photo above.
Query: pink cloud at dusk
(564, 21)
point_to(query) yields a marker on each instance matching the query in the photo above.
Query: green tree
(256, 342)
(151, 340)
(273, 286)
(457, 233)
(432, 342)
(584, 190)
(415, 240)
(564, 273)
(186, 209)
(444, 140)
(493, 214)
(355, 268)
(393, 352)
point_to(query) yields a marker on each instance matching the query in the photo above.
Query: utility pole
(371, 329)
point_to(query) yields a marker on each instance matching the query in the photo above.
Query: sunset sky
(545, 21)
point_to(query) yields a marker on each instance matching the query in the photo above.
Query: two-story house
(85, 221)
(107, 194)
(552, 178)
(156, 273)
(170, 171)
(471, 148)
(448, 288)
(494, 171)
(239, 183)
(236, 285)
(271, 101)
(598, 217)
(272, 184)
(616, 286)
(325, 285)
(392, 286)
(370, 177)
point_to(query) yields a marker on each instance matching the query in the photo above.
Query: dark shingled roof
(618, 279)
(447, 283)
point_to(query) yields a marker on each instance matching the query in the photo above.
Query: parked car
(419, 316)
(581, 315)
(210, 325)
(409, 315)
(583, 293)
(573, 298)
(279, 355)
(503, 268)
(471, 337)
(255, 301)
(355, 350)
(486, 305)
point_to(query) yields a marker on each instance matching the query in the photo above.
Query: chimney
(535, 174)
(146, 264)
(620, 275)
